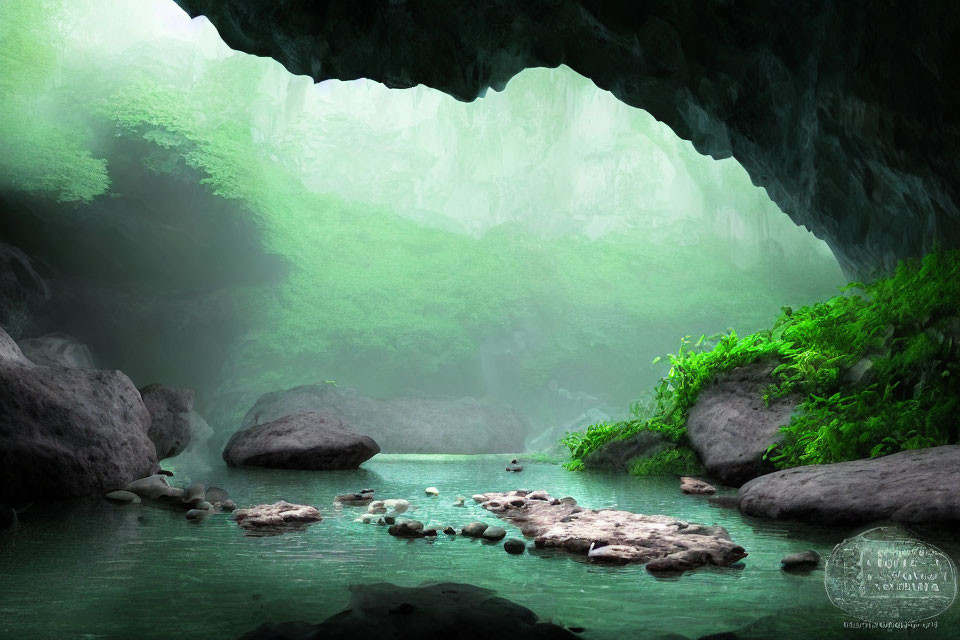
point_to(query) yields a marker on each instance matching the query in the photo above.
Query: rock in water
(730, 428)
(68, 432)
(494, 533)
(57, 350)
(170, 418)
(431, 491)
(301, 441)
(154, 487)
(917, 487)
(276, 518)
(406, 424)
(514, 467)
(695, 486)
(803, 560)
(123, 496)
(444, 611)
(474, 529)
(513, 546)
(405, 528)
(662, 542)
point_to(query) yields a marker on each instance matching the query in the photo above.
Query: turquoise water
(96, 570)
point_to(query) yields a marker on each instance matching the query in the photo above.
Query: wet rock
(204, 505)
(514, 466)
(916, 487)
(195, 494)
(360, 499)
(405, 528)
(404, 424)
(474, 529)
(393, 506)
(730, 428)
(695, 486)
(216, 495)
(57, 350)
(68, 432)
(384, 611)
(170, 410)
(514, 546)
(277, 518)
(803, 560)
(127, 497)
(724, 502)
(228, 505)
(459, 501)
(154, 487)
(300, 441)
(450, 531)
(608, 535)
(197, 514)
(494, 533)
(431, 491)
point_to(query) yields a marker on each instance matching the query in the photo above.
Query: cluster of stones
(279, 517)
(662, 543)
(198, 500)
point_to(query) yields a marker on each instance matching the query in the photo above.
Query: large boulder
(730, 428)
(405, 424)
(301, 441)
(57, 350)
(917, 487)
(170, 418)
(68, 432)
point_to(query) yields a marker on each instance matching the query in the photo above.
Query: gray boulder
(731, 429)
(68, 432)
(917, 487)
(404, 424)
(475, 529)
(170, 418)
(57, 350)
(617, 454)
(300, 441)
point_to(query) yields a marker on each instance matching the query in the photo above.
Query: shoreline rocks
(310, 441)
(915, 487)
(663, 543)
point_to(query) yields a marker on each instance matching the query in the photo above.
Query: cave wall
(846, 111)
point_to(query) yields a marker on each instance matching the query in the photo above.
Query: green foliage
(676, 461)
(901, 335)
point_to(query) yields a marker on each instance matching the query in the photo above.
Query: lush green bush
(877, 372)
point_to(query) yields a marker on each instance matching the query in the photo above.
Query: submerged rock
(918, 487)
(803, 560)
(695, 486)
(68, 432)
(279, 517)
(387, 612)
(170, 418)
(127, 497)
(406, 424)
(301, 441)
(57, 350)
(731, 429)
(662, 542)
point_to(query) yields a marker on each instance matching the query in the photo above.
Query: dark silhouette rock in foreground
(309, 440)
(663, 543)
(384, 611)
(405, 424)
(918, 487)
(170, 418)
(730, 428)
(68, 432)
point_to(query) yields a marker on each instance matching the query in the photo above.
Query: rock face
(618, 454)
(279, 517)
(384, 611)
(68, 432)
(57, 350)
(20, 288)
(404, 425)
(300, 441)
(171, 423)
(917, 487)
(606, 535)
(729, 426)
(848, 115)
